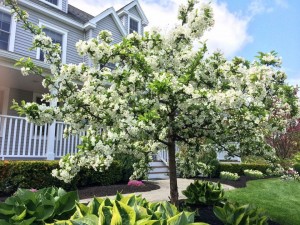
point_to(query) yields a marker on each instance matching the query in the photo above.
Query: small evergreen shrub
(297, 167)
(240, 167)
(225, 175)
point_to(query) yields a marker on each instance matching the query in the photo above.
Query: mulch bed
(90, 192)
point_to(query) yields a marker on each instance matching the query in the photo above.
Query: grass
(280, 199)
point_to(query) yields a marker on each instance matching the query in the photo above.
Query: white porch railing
(22, 140)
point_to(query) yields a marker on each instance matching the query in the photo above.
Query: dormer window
(5, 20)
(55, 2)
(133, 26)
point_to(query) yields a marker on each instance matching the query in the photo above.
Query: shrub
(254, 174)
(275, 170)
(37, 174)
(38, 206)
(229, 176)
(240, 167)
(297, 167)
(290, 175)
(129, 209)
(235, 214)
(204, 193)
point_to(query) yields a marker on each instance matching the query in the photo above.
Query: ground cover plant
(161, 93)
(254, 174)
(280, 199)
(229, 176)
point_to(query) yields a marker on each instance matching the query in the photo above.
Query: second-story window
(4, 30)
(56, 38)
(133, 26)
(55, 2)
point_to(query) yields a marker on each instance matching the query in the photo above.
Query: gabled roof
(134, 3)
(110, 11)
(83, 16)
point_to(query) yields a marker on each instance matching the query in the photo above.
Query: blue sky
(242, 28)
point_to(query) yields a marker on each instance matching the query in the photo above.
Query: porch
(22, 140)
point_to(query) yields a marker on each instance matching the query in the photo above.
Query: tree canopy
(161, 92)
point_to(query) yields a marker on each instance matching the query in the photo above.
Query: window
(55, 2)
(5, 20)
(58, 35)
(133, 26)
(56, 38)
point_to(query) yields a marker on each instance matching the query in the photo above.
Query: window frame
(58, 30)
(58, 6)
(12, 30)
(138, 20)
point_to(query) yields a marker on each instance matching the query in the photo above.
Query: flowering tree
(161, 92)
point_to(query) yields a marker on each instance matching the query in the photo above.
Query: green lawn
(280, 199)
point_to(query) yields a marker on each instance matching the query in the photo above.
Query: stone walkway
(163, 193)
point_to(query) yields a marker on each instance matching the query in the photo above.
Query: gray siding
(65, 5)
(135, 12)
(109, 24)
(24, 38)
(18, 95)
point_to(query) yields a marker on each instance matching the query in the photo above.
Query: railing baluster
(3, 136)
(13, 151)
(20, 137)
(34, 140)
(25, 138)
(45, 140)
(9, 136)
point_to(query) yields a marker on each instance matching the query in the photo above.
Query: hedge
(37, 174)
(240, 167)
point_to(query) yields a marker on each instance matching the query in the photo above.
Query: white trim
(4, 109)
(139, 8)
(114, 16)
(58, 6)
(60, 31)
(12, 31)
(51, 13)
(131, 16)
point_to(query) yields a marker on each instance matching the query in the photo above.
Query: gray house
(66, 25)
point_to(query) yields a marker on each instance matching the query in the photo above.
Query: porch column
(51, 136)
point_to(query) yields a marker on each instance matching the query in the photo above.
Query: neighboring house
(66, 25)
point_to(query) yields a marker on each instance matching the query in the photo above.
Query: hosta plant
(36, 207)
(204, 193)
(129, 210)
(229, 176)
(254, 174)
(235, 214)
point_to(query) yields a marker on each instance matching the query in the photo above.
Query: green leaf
(6, 209)
(179, 219)
(86, 220)
(27, 222)
(4, 222)
(127, 213)
(19, 217)
(66, 202)
(81, 209)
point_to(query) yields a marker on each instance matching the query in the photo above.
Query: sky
(242, 27)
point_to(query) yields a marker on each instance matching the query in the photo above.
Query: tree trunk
(172, 170)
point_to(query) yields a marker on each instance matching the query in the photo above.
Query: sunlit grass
(280, 199)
